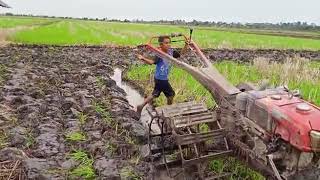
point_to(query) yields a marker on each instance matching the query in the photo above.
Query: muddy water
(134, 98)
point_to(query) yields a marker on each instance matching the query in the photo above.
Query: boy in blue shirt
(161, 74)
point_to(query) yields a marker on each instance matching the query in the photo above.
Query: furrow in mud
(62, 103)
(127, 53)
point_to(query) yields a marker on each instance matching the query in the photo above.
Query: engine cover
(295, 120)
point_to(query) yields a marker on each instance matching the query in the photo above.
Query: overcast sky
(205, 10)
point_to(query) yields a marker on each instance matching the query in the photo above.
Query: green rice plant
(82, 118)
(3, 139)
(3, 73)
(101, 110)
(12, 21)
(111, 147)
(76, 136)
(128, 173)
(297, 73)
(30, 140)
(79, 155)
(235, 167)
(135, 160)
(85, 169)
(70, 32)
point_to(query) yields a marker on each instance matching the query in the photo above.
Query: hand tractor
(273, 130)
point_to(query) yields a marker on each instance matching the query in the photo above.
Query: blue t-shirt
(162, 67)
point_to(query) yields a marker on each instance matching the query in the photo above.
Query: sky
(244, 11)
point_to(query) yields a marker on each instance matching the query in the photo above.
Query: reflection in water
(133, 96)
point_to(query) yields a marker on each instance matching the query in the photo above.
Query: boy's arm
(146, 60)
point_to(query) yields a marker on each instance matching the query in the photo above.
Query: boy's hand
(145, 60)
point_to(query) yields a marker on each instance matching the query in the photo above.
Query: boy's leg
(169, 92)
(156, 93)
(146, 101)
(170, 100)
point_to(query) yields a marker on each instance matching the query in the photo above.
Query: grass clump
(128, 173)
(82, 118)
(296, 73)
(102, 111)
(111, 147)
(85, 169)
(3, 139)
(3, 73)
(232, 165)
(76, 136)
(30, 140)
(100, 81)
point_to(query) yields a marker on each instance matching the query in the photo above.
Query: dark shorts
(162, 86)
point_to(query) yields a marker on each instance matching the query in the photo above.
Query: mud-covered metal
(181, 122)
(2, 4)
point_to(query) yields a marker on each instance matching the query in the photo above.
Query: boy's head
(164, 42)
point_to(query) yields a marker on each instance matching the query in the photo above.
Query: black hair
(162, 38)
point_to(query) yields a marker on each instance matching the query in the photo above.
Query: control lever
(191, 30)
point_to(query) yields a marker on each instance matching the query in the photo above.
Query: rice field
(71, 32)
(295, 73)
(11, 22)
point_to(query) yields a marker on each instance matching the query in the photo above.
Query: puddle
(133, 96)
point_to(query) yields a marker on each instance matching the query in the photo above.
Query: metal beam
(4, 4)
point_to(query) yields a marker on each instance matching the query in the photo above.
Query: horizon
(229, 11)
(142, 20)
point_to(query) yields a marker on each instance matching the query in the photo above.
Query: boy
(161, 74)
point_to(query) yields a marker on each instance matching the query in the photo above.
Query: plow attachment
(191, 146)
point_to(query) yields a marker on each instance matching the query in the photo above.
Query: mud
(47, 89)
(126, 54)
(245, 55)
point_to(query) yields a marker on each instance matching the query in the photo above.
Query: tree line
(301, 26)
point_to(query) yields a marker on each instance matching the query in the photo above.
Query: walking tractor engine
(278, 117)
(281, 114)
(273, 130)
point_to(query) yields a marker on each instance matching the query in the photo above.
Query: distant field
(10, 22)
(272, 32)
(70, 32)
